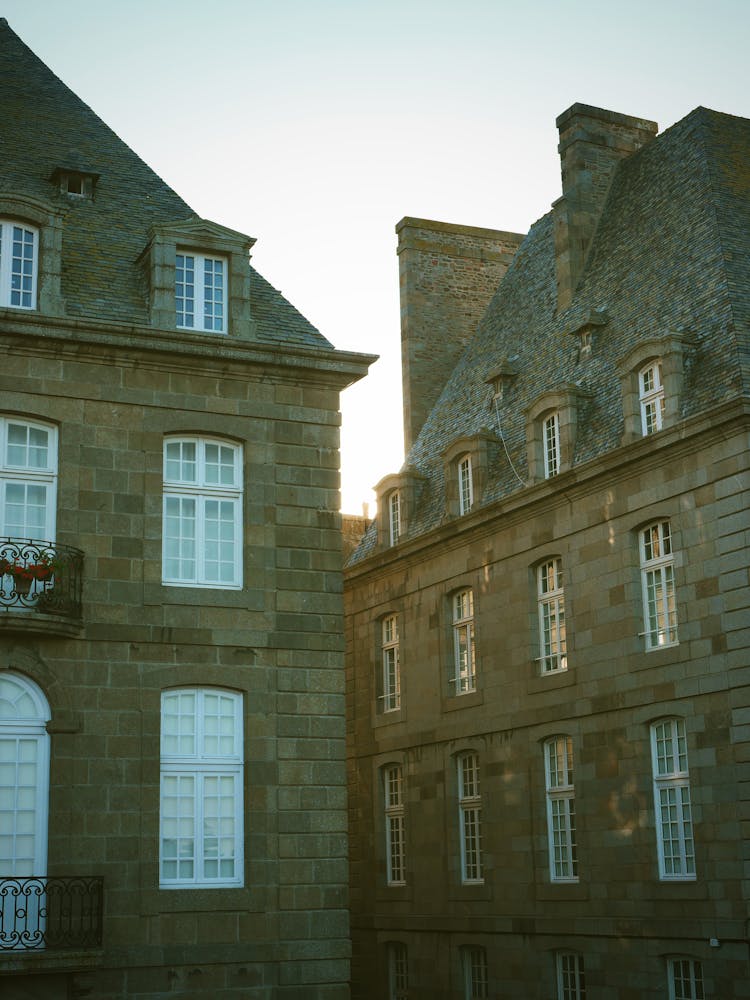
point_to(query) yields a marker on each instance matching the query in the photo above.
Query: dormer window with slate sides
(198, 275)
(75, 182)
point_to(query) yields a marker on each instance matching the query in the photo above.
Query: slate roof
(671, 254)
(43, 126)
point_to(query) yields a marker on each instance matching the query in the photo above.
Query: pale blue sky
(315, 125)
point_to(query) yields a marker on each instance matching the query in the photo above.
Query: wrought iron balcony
(50, 913)
(41, 577)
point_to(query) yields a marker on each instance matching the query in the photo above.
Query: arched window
(24, 777)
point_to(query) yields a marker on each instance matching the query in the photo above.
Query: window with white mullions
(464, 652)
(398, 971)
(395, 824)
(551, 601)
(391, 679)
(476, 978)
(201, 789)
(685, 979)
(200, 292)
(571, 978)
(657, 576)
(202, 534)
(28, 479)
(674, 821)
(18, 264)
(394, 516)
(470, 818)
(551, 431)
(465, 485)
(561, 814)
(651, 397)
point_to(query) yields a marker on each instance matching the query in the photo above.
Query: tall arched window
(24, 777)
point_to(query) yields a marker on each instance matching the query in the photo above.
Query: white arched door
(24, 777)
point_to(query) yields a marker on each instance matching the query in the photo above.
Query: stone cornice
(168, 350)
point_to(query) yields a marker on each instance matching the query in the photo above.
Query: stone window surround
(476, 447)
(566, 402)
(201, 237)
(671, 351)
(49, 223)
(408, 484)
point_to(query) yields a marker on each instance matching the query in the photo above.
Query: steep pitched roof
(45, 126)
(671, 255)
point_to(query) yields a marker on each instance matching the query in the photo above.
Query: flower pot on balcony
(22, 583)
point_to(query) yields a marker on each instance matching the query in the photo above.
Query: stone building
(172, 771)
(547, 622)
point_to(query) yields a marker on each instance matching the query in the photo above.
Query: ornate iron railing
(40, 576)
(52, 913)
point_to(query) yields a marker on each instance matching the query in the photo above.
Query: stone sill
(37, 623)
(40, 960)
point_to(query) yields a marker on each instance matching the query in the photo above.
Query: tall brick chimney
(447, 275)
(592, 143)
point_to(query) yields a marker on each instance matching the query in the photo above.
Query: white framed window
(202, 532)
(464, 651)
(465, 485)
(476, 977)
(674, 821)
(561, 810)
(19, 250)
(470, 818)
(651, 397)
(395, 824)
(391, 677)
(657, 578)
(551, 442)
(398, 971)
(394, 516)
(201, 814)
(571, 978)
(201, 292)
(685, 979)
(28, 479)
(551, 606)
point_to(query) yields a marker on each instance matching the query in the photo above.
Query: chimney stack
(592, 143)
(447, 275)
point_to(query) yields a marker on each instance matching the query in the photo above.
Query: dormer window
(76, 182)
(501, 380)
(552, 422)
(584, 331)
(19, 249)
(200, 292)
(653, 376)
(585, 343)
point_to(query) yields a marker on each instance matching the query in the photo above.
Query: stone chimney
(447, 275)
(592, 143)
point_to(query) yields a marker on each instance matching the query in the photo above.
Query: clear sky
(315, 125)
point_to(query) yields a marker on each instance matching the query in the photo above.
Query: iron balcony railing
(40, 576)
(51, 913)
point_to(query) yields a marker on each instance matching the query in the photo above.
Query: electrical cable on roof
(500, 433)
